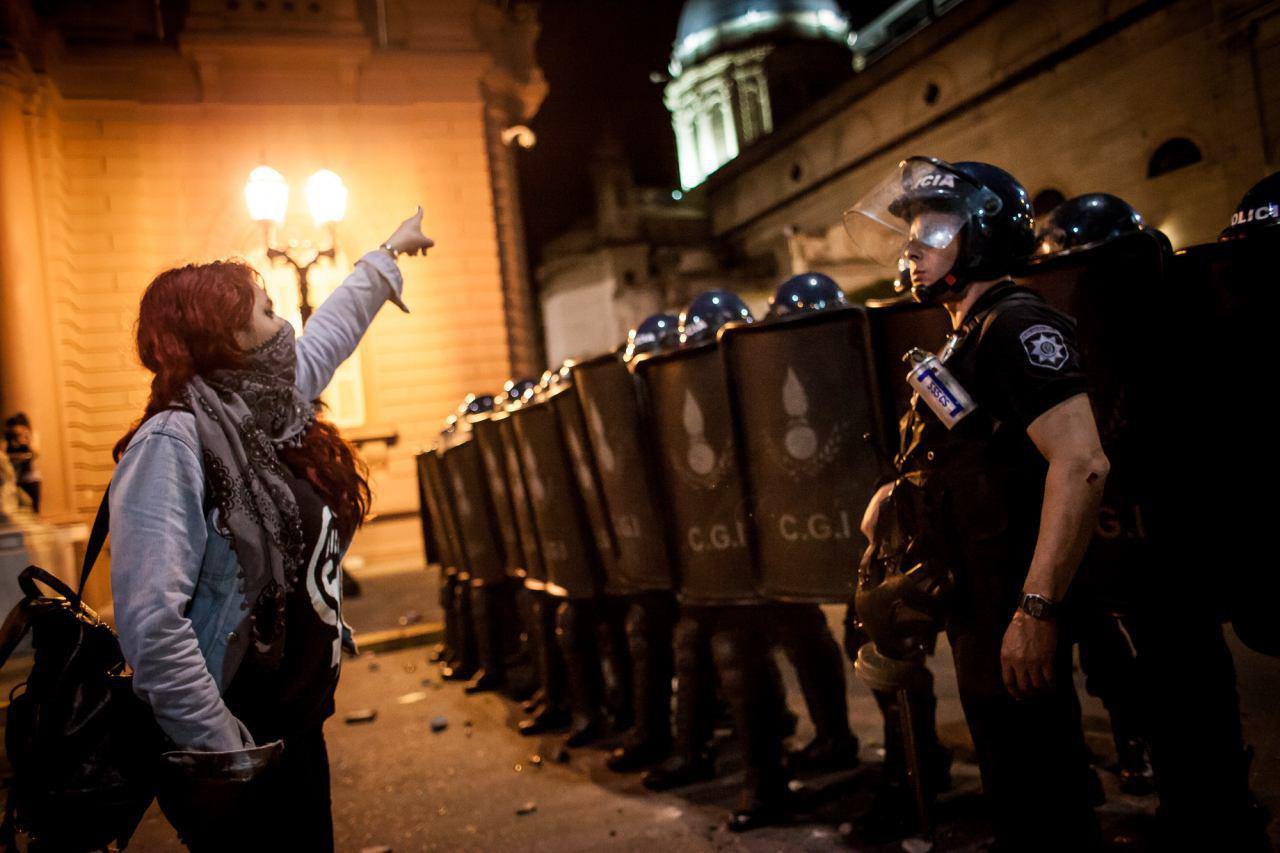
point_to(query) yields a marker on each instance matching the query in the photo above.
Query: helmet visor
(924, 200)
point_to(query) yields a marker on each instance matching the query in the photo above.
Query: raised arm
(338, 325)
(157, 545)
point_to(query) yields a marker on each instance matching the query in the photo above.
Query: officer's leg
(554, 714)
(446, 652)
(756, 701)
(1202, 777)
(615, 660)
(486, 616)
(1109, 662)
(649, 635)
(575, 632)
(806, 639)
(1031, 752)
(691, 760)
(464, 665)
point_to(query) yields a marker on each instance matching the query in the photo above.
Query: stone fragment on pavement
(439, 724)
(363, 715)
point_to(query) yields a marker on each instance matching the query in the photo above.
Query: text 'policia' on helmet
(1258, 210)
(709, 311)
(811, 291)
(1085, 222)
(654, 334)
(928, 203)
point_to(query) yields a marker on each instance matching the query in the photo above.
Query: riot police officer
(648, 617)
(729, 630)
(1119, 561)
(1001, 463)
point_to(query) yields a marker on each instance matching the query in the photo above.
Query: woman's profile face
(263, 322)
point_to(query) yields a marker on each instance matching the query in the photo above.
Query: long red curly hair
(186, 326)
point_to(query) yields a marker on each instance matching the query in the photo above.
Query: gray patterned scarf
(243, 418)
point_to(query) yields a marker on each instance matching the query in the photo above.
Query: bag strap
(97, 538)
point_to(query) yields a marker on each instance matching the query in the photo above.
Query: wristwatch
(1037, 606)
(390, 251)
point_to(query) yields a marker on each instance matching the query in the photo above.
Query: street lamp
(267, 196)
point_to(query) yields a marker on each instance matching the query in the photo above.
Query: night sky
(597, 56)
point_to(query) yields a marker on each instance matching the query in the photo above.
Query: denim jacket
(179, 611)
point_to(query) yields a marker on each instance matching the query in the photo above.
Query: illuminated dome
(708, 27)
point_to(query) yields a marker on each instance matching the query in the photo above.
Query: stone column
(28, 373)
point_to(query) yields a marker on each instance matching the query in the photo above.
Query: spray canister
(937, 387)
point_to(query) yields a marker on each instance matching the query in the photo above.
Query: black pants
(286, 808)
(802, 632)
(1031, 752)
(741, 647)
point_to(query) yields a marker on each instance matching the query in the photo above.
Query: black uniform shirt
(1017, 357)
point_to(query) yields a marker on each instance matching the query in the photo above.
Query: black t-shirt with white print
(299, 694)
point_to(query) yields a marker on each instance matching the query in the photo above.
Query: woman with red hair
(231, 506)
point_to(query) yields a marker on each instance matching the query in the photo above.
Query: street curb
(400, 638)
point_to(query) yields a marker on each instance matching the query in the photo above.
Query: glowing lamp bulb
(267, 195)
(327, 197)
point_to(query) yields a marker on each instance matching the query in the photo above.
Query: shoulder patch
(1044, 346)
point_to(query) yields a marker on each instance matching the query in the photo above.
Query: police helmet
(513, 390)
(654, 334)
(477, 405)
(708, 311)
(810, 291)
(931, 202)
(1085, 222)
(1258, 210)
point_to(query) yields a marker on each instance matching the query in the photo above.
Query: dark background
(597, 56)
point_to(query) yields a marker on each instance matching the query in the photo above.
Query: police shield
(534, 571)
(610, 410)
(806, 410)
(573, 430)
(567, 550)
(455, 557)
(1231, 348)
(484, 432)
(895, 326)
(427, 516)
(462, 470)
(701, 484)
(1109, 291)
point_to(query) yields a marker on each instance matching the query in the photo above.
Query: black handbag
(84, 749)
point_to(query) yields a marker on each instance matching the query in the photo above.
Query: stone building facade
(127, 132)
(1173, 105)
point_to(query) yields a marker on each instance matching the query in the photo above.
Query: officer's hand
(1026, 655)
(408, 237)
(871, 515)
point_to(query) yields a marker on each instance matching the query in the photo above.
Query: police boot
(895, 811)
(814, 653)
(1134, 765)
(581, 662)
(756, 701)
(463, 666)
(616, 664)
(649, 638)
(484, 612)
(692, 761)
(552, 715)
